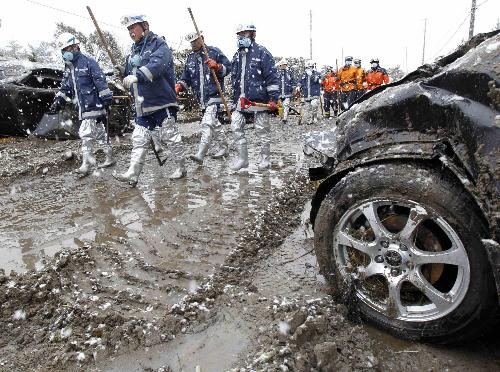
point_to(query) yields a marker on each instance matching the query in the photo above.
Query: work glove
(213, 65)
(129, 80)
(178, 88)
(272, 106)
(119, 71)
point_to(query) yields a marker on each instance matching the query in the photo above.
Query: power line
(459, 27)
(87, 18)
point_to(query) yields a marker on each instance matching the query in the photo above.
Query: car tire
(441, 219)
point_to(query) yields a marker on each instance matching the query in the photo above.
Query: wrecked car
(27, 91)
(406, 215)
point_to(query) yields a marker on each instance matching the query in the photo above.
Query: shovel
(246, 104)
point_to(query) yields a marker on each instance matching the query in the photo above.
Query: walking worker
(150, 77)
(254, 77)
(347, 80)
(287, 83)
(330, 85)
(360, 79)
(84, 83)
(196, 74)
(376, 76)
(310, 88)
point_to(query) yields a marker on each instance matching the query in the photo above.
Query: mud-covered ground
(214, 270)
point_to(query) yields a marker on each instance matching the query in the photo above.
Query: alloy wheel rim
(403, 259)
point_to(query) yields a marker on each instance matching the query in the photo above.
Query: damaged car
(406, 214)
(27, 91)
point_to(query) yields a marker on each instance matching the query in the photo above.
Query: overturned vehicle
(406, 214)
(26, 92)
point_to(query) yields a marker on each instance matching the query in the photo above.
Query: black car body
(26, 93)
(442, 118)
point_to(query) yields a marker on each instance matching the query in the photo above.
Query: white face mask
(308, 71)
(374, 65)
(348, 63)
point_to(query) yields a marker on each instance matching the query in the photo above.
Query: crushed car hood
(454, 101)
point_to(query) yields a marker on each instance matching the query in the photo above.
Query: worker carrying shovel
(196, 75)
(84, 83)
(254, 78)
(150, 78)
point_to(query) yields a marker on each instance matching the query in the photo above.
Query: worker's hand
(129, 80)
(178, 88)
(119, 71)
(272, 106)
(213, 65)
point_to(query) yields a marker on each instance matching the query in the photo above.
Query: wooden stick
(214, 75)
(101, 36)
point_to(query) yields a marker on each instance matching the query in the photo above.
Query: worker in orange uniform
(360, 79)
(346, 77)
(376, 76)
(330, 85)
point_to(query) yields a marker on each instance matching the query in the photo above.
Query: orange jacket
(347, 78)
(360, 78)
(329, 83)
(377, 77)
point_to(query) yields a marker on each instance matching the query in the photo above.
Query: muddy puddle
(187, 225)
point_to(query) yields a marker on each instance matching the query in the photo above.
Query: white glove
(129, 80)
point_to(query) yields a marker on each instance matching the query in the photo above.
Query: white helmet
(245, 27)
(132, 19)
(282, 62)
(310, 63)
(65, 40)
(192, 36)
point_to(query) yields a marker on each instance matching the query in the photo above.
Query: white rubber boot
(265, 158)
(202, 151)
(87, 163)
(242, 160)
(131, 175)
(180, 172)
(110, 160)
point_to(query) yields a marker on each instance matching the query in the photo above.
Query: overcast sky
(363, 29)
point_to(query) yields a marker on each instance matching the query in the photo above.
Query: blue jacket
(205, 89)
(155, 88)
(84, 83)
(310, 86)
(287, 83)
(255, 66)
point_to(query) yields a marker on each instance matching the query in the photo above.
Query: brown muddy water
(195, 243)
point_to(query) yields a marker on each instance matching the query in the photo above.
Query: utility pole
(406, 59)
(472, 18)
(310, 34)
(342, 60)
(423, 48)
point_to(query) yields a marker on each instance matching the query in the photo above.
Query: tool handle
(214, 75)
(101, 36)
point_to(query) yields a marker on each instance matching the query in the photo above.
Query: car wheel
(402, 242)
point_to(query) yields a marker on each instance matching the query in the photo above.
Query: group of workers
(340, 88)
(258, 87)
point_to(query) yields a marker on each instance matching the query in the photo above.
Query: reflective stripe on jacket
(254, 75)
(197, 75)
(347, 78)
(376, 77)
(329, 83)
(155, 89)
(84, 76)
(310, 86)
(287, 83)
